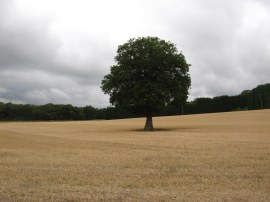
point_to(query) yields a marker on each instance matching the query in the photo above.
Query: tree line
(50, 112)
(257, 98)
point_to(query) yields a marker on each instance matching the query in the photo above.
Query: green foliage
(149, 75)
(47, 112)
(256, 98)
(245, 92)
(259, 97)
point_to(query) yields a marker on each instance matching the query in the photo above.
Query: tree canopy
(149, 74)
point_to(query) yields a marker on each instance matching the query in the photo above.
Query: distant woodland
(257, 98)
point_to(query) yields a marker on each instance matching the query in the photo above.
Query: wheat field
(210, 157)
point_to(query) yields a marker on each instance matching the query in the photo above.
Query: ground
(210, 157)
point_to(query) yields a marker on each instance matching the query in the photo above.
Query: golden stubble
(210, 157)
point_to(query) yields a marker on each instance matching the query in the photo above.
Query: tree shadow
(179, 129)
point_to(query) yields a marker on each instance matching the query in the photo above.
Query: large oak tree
(149, 74)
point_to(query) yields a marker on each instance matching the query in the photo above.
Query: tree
(149, 74)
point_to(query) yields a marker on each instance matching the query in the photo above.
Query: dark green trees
(259, 97)
(149, 74)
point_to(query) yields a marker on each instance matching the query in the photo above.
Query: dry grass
(212, 157)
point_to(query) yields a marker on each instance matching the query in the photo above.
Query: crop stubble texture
(210, 157)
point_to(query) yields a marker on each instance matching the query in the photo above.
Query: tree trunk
(149, 124)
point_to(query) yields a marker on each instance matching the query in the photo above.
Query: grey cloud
(30, 46)
(43, 88)
(32, 69)
(227, 45)
(24, 43)
(227, 55)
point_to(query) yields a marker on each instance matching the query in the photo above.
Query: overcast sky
(58, 51)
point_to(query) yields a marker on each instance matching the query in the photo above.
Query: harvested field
(210, 157)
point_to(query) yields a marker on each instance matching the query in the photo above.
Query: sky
(58, 51)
